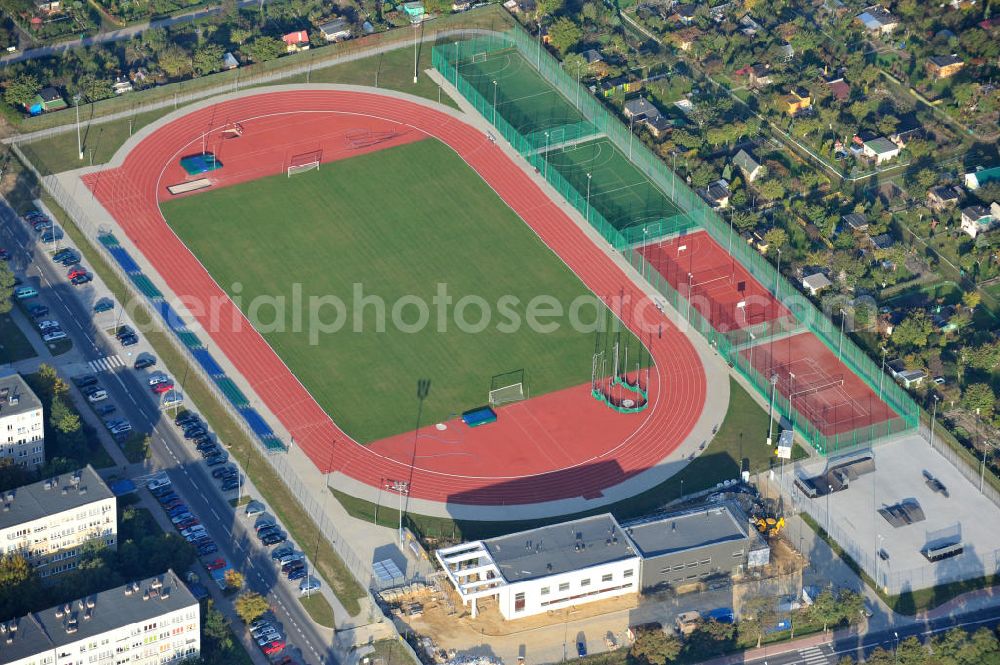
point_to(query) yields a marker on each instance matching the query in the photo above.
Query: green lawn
(319, 609)
(436, 225)
(14, 346)
(742, 435)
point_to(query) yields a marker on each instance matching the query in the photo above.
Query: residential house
(47, 6)
(336, 30)
(943, 66)
(461, 5)
(619, 84)
(760, 76)
(414, 11)
(684, 39)
(815, 283)
(882, 241)
(943, 197)
(977, 219)
(296, 41)
(639, 110)
(748, 26)
(796, 101)
(684, 14)
(229, 61)
(839, 88)
(717, 194)
(855, 221)
(122, 85)
(47, 99)
(592, 56)
(748, 165)
(877, 19)
(981, 176)
(659, 126)
(880, 149)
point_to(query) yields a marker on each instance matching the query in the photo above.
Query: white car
(308, 584)
(194, 530)
(97, 396)
(48, 324)
(158, 378)
(171, 399)
(54, 336)
(124, 428)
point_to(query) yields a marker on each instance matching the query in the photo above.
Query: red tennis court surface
(715, 283)
(820, 386)
(556, 446)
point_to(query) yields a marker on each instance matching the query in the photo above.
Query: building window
(628, 573)
(545, 591)
(585, 582)
(606, 578)
(564, 586)
(519, 602)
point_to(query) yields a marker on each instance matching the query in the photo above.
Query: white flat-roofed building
(22, 423)
(49, 521)
(152, 622)
(547, 568)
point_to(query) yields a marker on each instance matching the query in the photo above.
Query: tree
(240, 36)
(744, 220)
(776, 239)
(851, 605)
(564, 34)
(208, 59)
(824, 608)
(251, 606)
(758, 615)
(93, 88)
(174, 61)
(654, 647)
(62, 418)
(217, 628)
(979, 396)
(21, 90)
(970, 299)
(263, 49)
(234, 579)
(548, 7)
(771, 189)
(913, 331)
(6, 287)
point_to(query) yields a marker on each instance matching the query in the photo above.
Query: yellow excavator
(769, 526)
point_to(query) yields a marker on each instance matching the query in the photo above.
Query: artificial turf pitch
(397, 222)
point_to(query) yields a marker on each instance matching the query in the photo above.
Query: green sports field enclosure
(395, 226)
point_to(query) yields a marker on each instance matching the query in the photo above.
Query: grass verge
(326, 562)
(319, 609)
(741, 436)
(392, 652)
(908, 602)
(14, 346)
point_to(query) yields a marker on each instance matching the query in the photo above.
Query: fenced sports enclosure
(722, 286)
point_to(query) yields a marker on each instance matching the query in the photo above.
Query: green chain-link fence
(695, 214)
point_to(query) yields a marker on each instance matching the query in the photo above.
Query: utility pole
(79, 142)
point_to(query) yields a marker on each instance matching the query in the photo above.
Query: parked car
(309, 585)
(221, 458)
(53, 336)
(48, 324)
(273, 539)
(297, 574)
(282, 551)
(97, 396)
(230, 484)
(104, 305)
(85, 381)
(215, 564)
(25, 292)
(292, 565)
(82, 279)
(129, 340)
(53, 234)
(38, 311)
(222, 471)
(185, 417)
(76, 271)
(207, 548)
(105, 409)
(274, 647)
(144, 360)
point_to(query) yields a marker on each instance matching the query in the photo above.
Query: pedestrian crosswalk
(106, 364)
(814, 656)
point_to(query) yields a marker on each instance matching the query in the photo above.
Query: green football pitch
(396, 223)
(618, 189)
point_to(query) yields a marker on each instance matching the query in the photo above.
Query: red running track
(512, 466)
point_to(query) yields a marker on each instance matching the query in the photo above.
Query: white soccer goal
(507, 394)
(304, 162)
(479, 57)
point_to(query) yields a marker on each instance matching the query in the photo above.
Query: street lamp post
(494, 102)
(777, 278)
(416, 44)
(829, 491)
(770, 411)
(546, 155)
(79, 142)
(882, 375)
(401, 487)
(895, 647)
(840, 345)
(878, 547)
(588, 197)
(631, 134)
(934, 417)
(791, 397)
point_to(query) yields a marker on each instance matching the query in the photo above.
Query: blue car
(296, 574)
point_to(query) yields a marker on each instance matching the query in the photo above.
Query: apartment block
(49, 521)
(21, 423)
(152, 622)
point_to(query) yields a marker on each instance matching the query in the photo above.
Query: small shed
(229, 61)
(47, 99)
(816, 283)
(336, 30)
